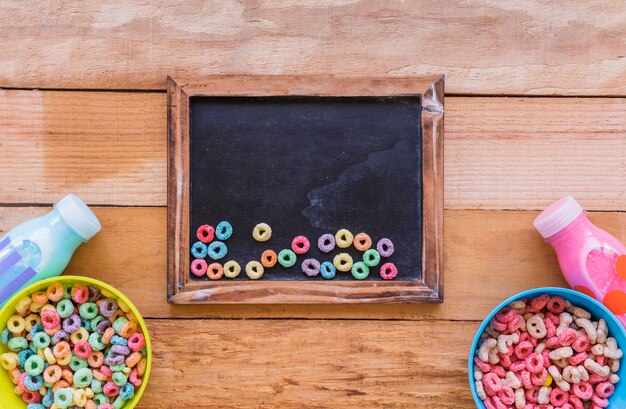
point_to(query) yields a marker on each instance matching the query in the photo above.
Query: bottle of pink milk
(592, 261)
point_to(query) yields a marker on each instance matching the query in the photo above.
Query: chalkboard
(306, 164)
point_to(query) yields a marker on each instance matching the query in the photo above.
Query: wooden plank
(309, 364)
(109, 148)
(489, 255)
(512, 153)
(530, 47)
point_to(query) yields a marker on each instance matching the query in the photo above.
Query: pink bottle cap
(558, 216)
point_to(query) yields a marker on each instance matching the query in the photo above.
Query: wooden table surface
(533, 112)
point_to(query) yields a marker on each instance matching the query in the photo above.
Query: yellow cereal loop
(343, 262)
(123, 306)
(89, 393)
(22, 305)
(80, 334)
(16, 324)
(36, 307)
(262, 232)
(254, 270)
(65, 360)
(49, 356)
(9, 361)
(47, 307)
(31, 320)
(80, 398)
(108, 294)
(344, 238)
(232, 269)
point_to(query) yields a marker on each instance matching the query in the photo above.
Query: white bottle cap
(78, 216)
(558, 216)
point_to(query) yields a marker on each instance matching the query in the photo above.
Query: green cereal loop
(95, 341)
(100, 398)
(144, 351)
(119, 378)
(67, 291)
(17, 344)
(88, 310)
(77, 363)
(32, 347)
(360, 270)
(65, 308)
(64, 397)
(41, 340)
(94, 322)
(83, 377)
(119, 402)
(118, 324)
(371, 258)
(96, 386)
(34, 365)
(287, 258)
(118, 367)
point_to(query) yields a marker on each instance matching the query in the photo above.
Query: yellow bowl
(12, 401)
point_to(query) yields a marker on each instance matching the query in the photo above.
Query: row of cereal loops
(262, 232)
(546, 351)
(74, 347)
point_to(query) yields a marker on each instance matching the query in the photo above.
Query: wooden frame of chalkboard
(181, 289)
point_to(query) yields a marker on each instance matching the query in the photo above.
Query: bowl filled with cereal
(548, 348)
(69, 342)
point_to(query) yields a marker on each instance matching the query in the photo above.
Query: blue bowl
(597, 311)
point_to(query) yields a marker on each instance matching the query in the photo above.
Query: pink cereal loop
(134, 379)
(539, 378)
(605, 389)
(506, 395)
(577, 359)
(199, 267)
(582, 343)
(532, 394)
(558, 397)
(523, 349)
(515, 323)
(492, 384)
(550, 327)
(50, 319)
(582, 390)
(110, 389)
(556, 305)
(568, 336)
(534, 362)
(506, 314)
(136, 342)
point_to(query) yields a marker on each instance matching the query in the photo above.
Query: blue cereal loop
(199, 250)
(35, 406)
(24, 355)
(35, 329)
(117, 340)
(217, 250)
(328, 270)
(33, 383)
(223, 230)
(48, 398)
(6, 335)
(127, 391)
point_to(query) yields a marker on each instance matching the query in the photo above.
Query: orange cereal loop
(141, 366)
(55, 292)
(214, 271)
(585, 290)
(132, 317)
(362, 242)
(133, 359)
(620, 266)
(39, 297)
(108, 334)
(616, 302)
(269, 258)
(130, 327)
(68, 376)
(59, 385)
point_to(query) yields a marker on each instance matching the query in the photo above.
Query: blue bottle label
(16, 263)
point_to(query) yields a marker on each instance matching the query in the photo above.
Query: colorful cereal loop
(215, 271)
(326, 243)
(344, 238)
(198, 267)
(223, 230)
(262, 232)
(287, 258)
(360, 270)
(343, 262)
(371, 258)
(300, 245)
(311, 267)
(362, 242)
(199, 250)
(232, 269)
(328, 270)
(385, 247)
(217, 250)
(254, 270)
(205, 233)
(269, 258)
(388, 271)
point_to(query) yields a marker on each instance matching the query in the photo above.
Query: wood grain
(489, 255)
(181, 290)
(309, 364)
(109, 148)
(530, 47)
(500, 153)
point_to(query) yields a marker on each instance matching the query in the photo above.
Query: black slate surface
(308, 166)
